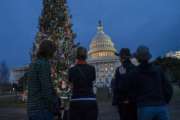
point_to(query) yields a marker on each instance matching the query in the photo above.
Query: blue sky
(155, 23)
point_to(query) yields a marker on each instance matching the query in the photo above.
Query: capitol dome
(101, 45)
(101, 56)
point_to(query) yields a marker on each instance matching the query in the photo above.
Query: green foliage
(11, 101)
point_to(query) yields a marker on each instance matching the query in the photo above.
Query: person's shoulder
(90, 66)
(40, 63)
(117, 68)
(156, 68)
(134, 69)
(81, 66)
(131, 66)
(73, 67)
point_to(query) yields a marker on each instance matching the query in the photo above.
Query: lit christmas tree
(55, 25)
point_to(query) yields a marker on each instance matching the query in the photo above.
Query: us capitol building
(101, 56)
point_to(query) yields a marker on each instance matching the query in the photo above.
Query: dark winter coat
(82, 77)
(121, 95)
(148, 85)
(41, 94)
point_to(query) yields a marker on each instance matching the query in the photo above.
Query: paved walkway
(106, 111)
(12, 114)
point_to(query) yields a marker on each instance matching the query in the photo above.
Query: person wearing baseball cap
(121, 98)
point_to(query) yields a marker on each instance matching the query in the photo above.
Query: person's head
(81, 53)
(143, 54)
(46, 49)
(124, 54)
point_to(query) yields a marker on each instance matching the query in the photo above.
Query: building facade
(172, 54)
(17, 73)
(101, 56)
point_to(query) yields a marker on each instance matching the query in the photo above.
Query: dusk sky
(155, 23)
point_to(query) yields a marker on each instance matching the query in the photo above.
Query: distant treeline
(171, 66)
(4, 73)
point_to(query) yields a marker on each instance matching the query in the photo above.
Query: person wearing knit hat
(121, 98)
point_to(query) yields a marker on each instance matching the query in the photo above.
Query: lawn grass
(11, 102)
(102, 97)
